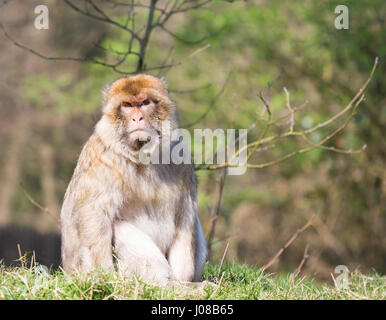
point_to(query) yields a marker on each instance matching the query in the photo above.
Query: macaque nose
(136, 118)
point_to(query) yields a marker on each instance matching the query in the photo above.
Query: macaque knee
(137, 254)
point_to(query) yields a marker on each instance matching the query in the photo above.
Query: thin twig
(33, 260)
(226, 238)
(288, 243)
(21, 258)
(301, 264)
(215, 212)
(352, 105)
(75, 59)
(292, 114)
(102, 17)
(36, 204)
(223, 257)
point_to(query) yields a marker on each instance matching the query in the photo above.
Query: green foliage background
(253, 42)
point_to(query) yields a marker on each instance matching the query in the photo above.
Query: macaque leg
(138, 254)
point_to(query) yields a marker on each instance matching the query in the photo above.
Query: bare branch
(144, 41)
(162, 27)
(103, 17)
(21, 257)
(96, 12)
(163, 18)
(348, 107)
(131, 5)
(113, 66)
(352, 105)
(35, 52)
(292, 114)
(53, 58)
(36, 204)
(215, 212)
(194, 6)
(288, 243)
(266, 105)
(301, 264)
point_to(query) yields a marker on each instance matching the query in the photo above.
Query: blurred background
(217, 57)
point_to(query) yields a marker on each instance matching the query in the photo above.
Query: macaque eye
(126, 104)
(146, 102)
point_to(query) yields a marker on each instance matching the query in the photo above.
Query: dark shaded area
(46, 246)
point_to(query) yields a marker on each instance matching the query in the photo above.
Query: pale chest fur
(152, 200)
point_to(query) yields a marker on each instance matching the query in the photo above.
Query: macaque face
(138, 112)
(136, 106)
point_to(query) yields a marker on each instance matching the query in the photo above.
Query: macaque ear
(105, 93)
(163, 80)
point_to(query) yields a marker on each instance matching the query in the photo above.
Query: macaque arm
(86, 224)
(95, 233)
(86, 241)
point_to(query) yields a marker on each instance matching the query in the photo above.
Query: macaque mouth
(139, 143)
(137, 130)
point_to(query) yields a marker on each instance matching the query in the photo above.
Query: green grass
(233, 282)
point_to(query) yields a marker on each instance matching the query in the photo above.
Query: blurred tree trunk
(11, 170)
(48, 188)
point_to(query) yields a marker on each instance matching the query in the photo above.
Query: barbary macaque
(143, 214)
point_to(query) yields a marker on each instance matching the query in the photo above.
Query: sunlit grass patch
(233, 281)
